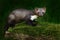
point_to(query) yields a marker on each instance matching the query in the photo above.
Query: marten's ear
(36, 9)
(44, 8)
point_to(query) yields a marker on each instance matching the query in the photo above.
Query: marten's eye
(43, 12)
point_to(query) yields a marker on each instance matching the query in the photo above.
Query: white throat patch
(33, 17)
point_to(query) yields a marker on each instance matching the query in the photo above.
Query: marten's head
(40, 11)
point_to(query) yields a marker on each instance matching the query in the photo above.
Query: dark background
(52, 14)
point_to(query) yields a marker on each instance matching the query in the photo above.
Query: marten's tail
(11, 24)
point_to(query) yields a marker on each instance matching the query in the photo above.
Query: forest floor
(43, 31)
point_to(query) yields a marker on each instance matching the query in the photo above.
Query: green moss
(44, 28)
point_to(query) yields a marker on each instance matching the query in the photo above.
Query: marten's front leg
(32, 20)
(33, 23)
